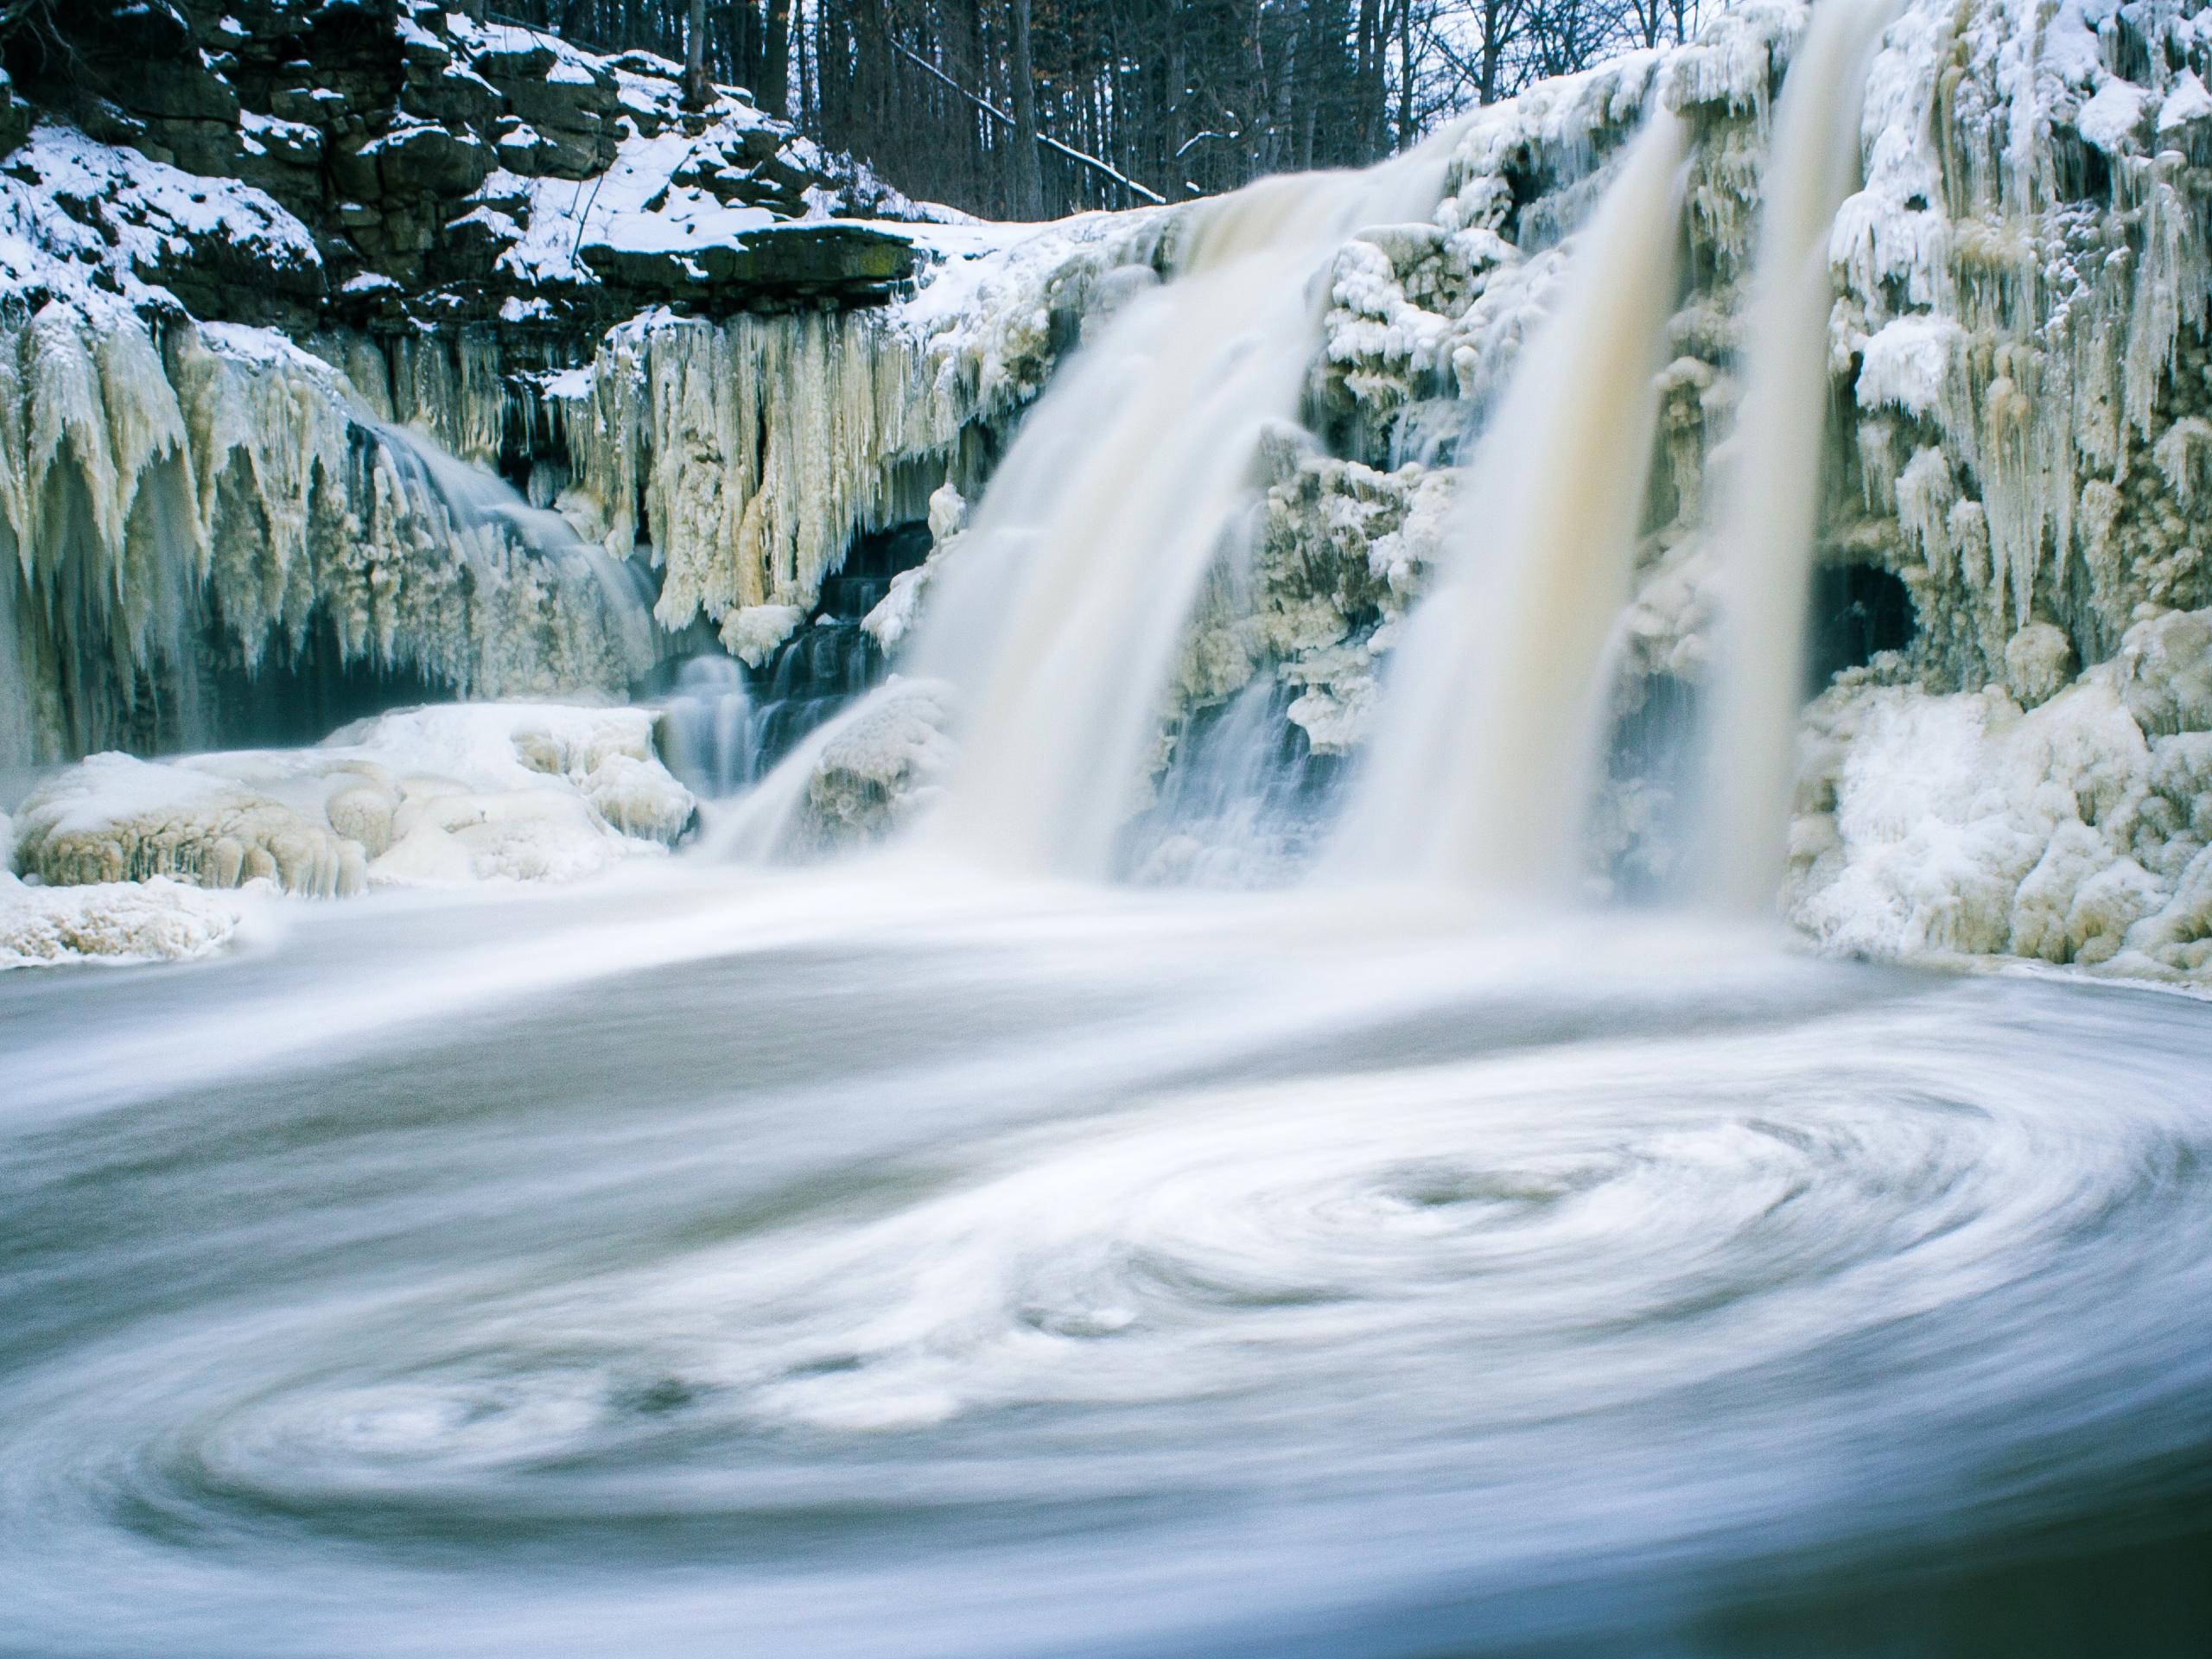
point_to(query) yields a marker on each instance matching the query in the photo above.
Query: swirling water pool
(872, 1264)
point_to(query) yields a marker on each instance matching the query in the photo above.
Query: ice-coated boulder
(882, 767)
(157, 920)
(425, 796)
(2073, 832)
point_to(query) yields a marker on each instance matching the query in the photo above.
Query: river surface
(872, 1262)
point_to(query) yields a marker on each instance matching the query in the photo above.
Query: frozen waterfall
(182, 516)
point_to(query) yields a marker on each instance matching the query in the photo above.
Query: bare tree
(1022, 73)
(1030, 107)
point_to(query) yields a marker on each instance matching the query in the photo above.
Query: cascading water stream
(722, 735)
(708, 722)
(1485, 750)
(1060, 622)
(1771, 478)
(1488, 751)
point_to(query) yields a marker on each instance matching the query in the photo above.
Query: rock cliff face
(247, 244)
(436, 164)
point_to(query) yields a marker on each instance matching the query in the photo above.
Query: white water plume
(708, 722)
(1771, 480)
(1060, 620)
(1483, 755)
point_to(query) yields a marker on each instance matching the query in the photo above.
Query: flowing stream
(1061, 621)
(874, 1261)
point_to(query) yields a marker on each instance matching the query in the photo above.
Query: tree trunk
(1405, 74)
(1368, 79)
(695, 57)
(774, 89)
(1493, 48)
(1022, 70)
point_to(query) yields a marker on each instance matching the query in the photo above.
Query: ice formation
(155, 920)
(743, 456)
(169, 500)
(2076, 831)
(427, 797)
(753, 451)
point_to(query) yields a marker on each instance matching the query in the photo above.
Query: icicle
(757, 449)
(1925, 493)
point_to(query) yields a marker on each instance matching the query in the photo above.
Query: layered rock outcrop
(436, 164)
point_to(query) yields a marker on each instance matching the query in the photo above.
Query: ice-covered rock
(878, 772)
(423, 796)
(160, 920)
(2075, 831)
(113, 818)
(862, 775)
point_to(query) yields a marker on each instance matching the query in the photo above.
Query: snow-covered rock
(2075, 831)
(156, 920)
(436, 795)
(880, 770)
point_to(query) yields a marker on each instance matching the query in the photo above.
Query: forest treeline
(1025, 108)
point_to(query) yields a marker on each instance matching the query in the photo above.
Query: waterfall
(1052, 632)
(707, 726)
(1059, 623)
(722, 733)
(1771, 479)
(1238, 802)
(1485, 750)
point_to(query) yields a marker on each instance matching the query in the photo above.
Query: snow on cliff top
(80, 220)
(635, 205)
